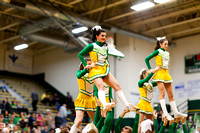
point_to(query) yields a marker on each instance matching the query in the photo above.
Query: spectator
(5, 105)
(11, 125)
(40, 119)
(63, 113)
(2, 124)
(52, 130)
(20, 108)
(49, 120)
(31, 120)
(190, 124)
(6, 117)
(34, 97)
(56, 99)
(15, 130)
(37, 129)
(3, 87)
(58, 120)
(45, 98)
(13, 105)
(6, 129)
(69, 101)
(45, 129)
(22, 122)
(15, 118)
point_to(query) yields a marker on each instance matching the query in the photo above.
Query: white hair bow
(97, 27)
(160, 38)
(143, 69)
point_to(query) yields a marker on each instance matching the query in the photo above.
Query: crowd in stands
(16, 119)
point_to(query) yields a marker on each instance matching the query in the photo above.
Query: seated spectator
(13, 105)
(22, 122)
(31, 120)
(58, 120)
(6, 129)
(16, 130)
(40, 119)
(3, 87)
(6, 117)
(52, 130)
(2, 124)
(45, 98)
(15, 118)
(11, 125)
(49, 120)
(45, 130)
(37, 129)
(20, 108)
(26, 128)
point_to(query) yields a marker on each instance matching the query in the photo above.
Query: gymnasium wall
(187, 85)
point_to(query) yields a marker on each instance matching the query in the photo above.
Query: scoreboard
(192, 63)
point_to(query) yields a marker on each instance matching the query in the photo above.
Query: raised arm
(81, 73)
(119, 120)
(85, 51)
(148, 58)
(136, 122)
(141, 82)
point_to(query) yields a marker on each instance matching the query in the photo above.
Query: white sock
(122, 98)
(102, 97)
(73, 129)
(163, 106)
(174, 108)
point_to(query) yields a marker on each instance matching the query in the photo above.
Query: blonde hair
(90, 128)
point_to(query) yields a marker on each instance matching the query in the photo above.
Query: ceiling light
(142, 6)
(21, 46)
(161, 1)
(79, 30)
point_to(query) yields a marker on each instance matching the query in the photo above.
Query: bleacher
(24, 87)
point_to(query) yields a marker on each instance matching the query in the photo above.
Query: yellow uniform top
(162, 59)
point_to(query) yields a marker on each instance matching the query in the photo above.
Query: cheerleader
(162, 77)
(85, 100)
(146, 93)
(98, 52)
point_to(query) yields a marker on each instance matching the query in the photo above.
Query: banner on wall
(189, 89)
(20, 63)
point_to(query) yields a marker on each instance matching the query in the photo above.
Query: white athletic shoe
(169, 117)
(179, 114)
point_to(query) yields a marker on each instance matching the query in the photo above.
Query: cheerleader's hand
(183, 120)
(92, 65)
(133, 108)
(158, 68)
(171, 122)
(155, 114)
(178, 119)
(113, 102)
(107, 107)
(103, 113)
(165, 122)
(97, 101)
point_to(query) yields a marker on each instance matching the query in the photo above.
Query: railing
(183, 107)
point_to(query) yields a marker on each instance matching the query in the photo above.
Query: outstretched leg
(172, 103)
(112, 82)
(161, 88)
